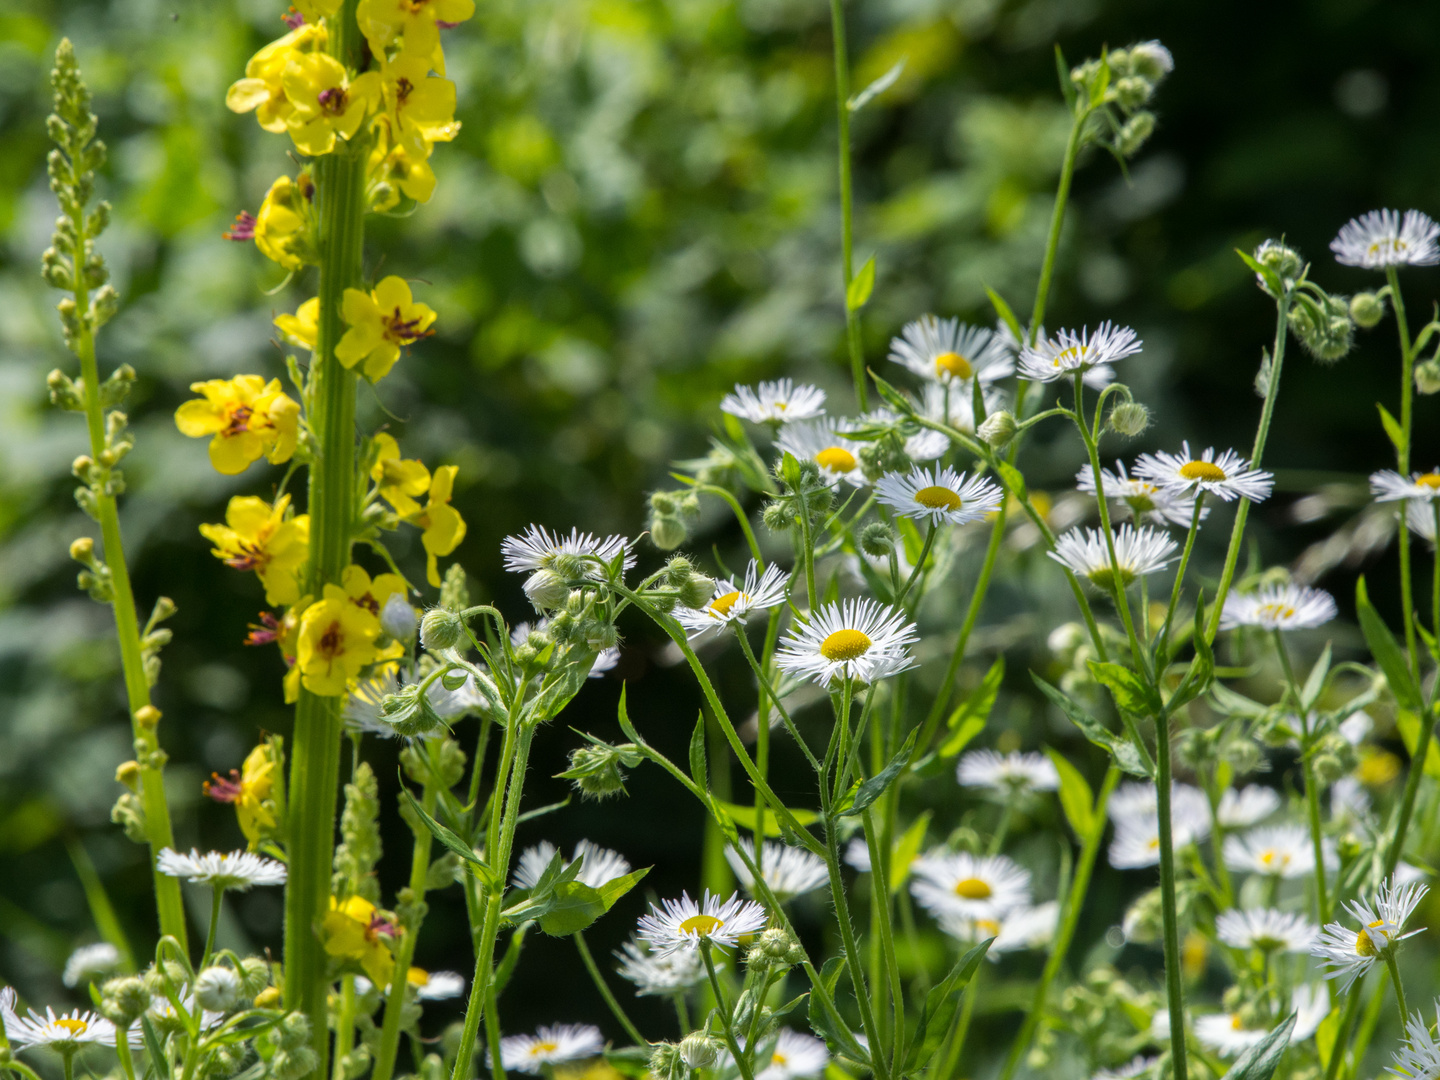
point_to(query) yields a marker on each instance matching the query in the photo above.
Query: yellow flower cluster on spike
(247, 419)
(355, 929)
(250, 789)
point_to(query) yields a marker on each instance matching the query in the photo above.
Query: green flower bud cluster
(694, 588)
(359, 847)
(1284, 261)
(1427, 376)
(776, 947)
(292, 1058)
(155, 637)
(1323, 325)
(597, 770)
(1114, 90)
(884, 455)
(669, 513)
(123, 1000)
(804, 486)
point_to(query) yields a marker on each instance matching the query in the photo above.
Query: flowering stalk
(1402, 464)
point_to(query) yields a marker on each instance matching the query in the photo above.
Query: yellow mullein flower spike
(443, 525)
(256, 536)
(422, 106)
(382, 21)
(284, 230)
(328, 103)
(247, 418)
(262, 90)
(380, 323)
(398, 166)
(354, 929)
(371, 595)
(337, 639)
(303, 327)
(398, 479)
(249, 788)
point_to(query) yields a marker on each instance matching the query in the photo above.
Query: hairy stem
(847, 204)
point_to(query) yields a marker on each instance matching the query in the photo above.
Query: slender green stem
(682, 1011)
(1312, 783)
(1162, 653)
(1342, 1036)
(1174, 986)
(742, 1057)
(344, 1025)
(919, 564)
(217, 895)
(1402, 461)
(1399, 985)
(847, 203)
(492, 1033)
(127, 1059)
(605, 992)
(753, 1031)
(880, 906)
(1052, 239)
(947, 1063)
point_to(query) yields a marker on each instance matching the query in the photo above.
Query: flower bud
(441, 628)
(269, 998)
(82, 550)
(877, 539)
(124, 1000)
(1129, 418)
(545, 590)
(1132, 91)
(665, 1061)
(1242, 754)
(217, 989)
(148, 717)
(128, 773)
(699, 1050)
(568, 566)
(398, 618)
(998, 429)
(1134, 133)
(1427, 376)
(667, 532)
(1366, 309)
(254, 975)
(697, 591)
(777, 516)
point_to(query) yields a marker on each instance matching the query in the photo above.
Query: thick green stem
(847, 203)
(605, 992)
(1174, 986)
(218, 895)
(344, 1026)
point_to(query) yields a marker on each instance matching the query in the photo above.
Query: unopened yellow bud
(147, 716)
(83, 549)
(128, 773)
(269, 998)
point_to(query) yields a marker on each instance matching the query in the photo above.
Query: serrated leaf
(449, 839)
(1076, 797)
(873, 788)
(1127, 688)
(1260, 1061)
(1391, 426)
(576, 905)
(857, 293)
(940, 1005)
(903, 853)
(876, 88)
(1126, 756)
(698, 771)
(744, 816)
(970, 717)
(1386, 651)
(1007, 316)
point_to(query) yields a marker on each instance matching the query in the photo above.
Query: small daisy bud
(665, 1061)
(667, 532)
(1242, 754)
(441, 628)
(602, 635)
(82, 550)
(998, 429)
(254, 975)
(217, 989)
(128, 773)
(545, 590)
(664, 502)
(269, 998)
(699, 1050)
(398, 618)
(697, 591)
(1151, 60)
(1328, 768)
(1366, 309)
(568, 566)
(1129, 418)
(1134, 133)
(1132, 91)
(1427, 377)
(777, 516)
(678, 571)
(148, 716)
(877, 539)
(124, 1000)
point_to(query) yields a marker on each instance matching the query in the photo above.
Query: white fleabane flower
(778, 402)
(789, 871)
(1145, 499)
(1227, 1034)
(1066, 353)
(936, 495)
(1242, 807)
(859, 640)
(961, 885)
(553, 561)
(1134, 808)
(794, 1055)
(238, 870)
(821, 441)
(66, 1033)
(1022, 928)
(735, 603)
(1278, 607)
(1266, 929)
(1349, 800)
(1419, 1055)
(1347, 954)
(91, 962)
(1227, 476)
(601, 864)
(659, 974)
(1285, 851)
(947, 350)
(1387, 485)
(435, 985)
(1420, 517)
(954, 404)
(550, 1045)
(679, 925)
(1134, 1069)
(1138, 552)
(1382, 238)
(1007, 774)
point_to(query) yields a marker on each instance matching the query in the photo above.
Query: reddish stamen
(332, 100)
(266, 633)
(243, 229)
(293, 19)
(223, 790)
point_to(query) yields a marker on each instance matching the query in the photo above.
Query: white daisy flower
(601, 864)
(1227, 1034)
(954, 404)
(1387, 485)
(1419, 1055)
(1382, 238)
(820, 441)
(238, 870)
(1023, 928)
(550, 1045)
(66, 1033)
(1266, 929)
(1134, 809)
(1242, 807)
(735, 603)
(1278, 607)
(89, 963)
(657, 974)
(1347, 954)
(1227, 476)
(1140, 1066)
(789, 871)
(1138, 799)
(859, 640)
(961, 885)
(1420, 517)
(794, 1055)
(924, 445)
(679, 925)
(947, 350)
(1138, 552)
(435, 985)
(1007, 774)
(554, 561)
(1356, 727)
(1349, 799)
(1285, 851)
(778, 402)
(1145, 499)
(1066, 353)
(937, 495)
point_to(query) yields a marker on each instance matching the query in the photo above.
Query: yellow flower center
(778, 1058)
(1430, 480)
(845, 645)
(836, 458)
(721, 605)
(936, 497)
(1269, 857)
(701, 925)
(417, 977)
(987, 926)
(1276, 611)
(543, 1048)
(1365, 945)
(74, 1027)
(1236, 1024)
(1075, 352)
(953, 364)
(1202, 470)
(972, 888)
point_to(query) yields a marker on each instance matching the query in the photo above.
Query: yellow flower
(328, 103)
(247, 418)
(262, 89)
(284, 228)
(396, 167)
(316, 9)
(337, 639)
(422, 106)
(256, 536)
(303, 327)
(380, 323)
(398, 479)
(371, 595)
(443, 525)
(249, 789)
(354, 929)
(382, 21)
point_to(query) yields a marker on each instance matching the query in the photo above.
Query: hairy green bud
(441, 628)
(877, 539)
(697, 591)
(1427, 376)
(1134, 133)
(998, 429)
(1128, 418)
(1367, 309)
(124, 1000)
(700, 1050)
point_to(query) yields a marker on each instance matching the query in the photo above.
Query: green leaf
(1392, 426)
(1127, 688)
(829, 1023)
(1315, 682)
(1409, 724)
(576, 905)
(1076, 798)
(1269, 276)
(1386, 651)
(970, 717)
(1007, 316)
(857, 293)
(153, 1046)
(893, 397)
(873, 788)
(1325, 1036)
(623, 715)
(1067, 88)
(1014, 479)
(542, 811)
(1228, 703)
(698, 771)
(903, 853)
(450, 840)
(1260, 1061)
(790, 470)
(940, 1005)
(876, 88)
(1126, 756)
(744, 816)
